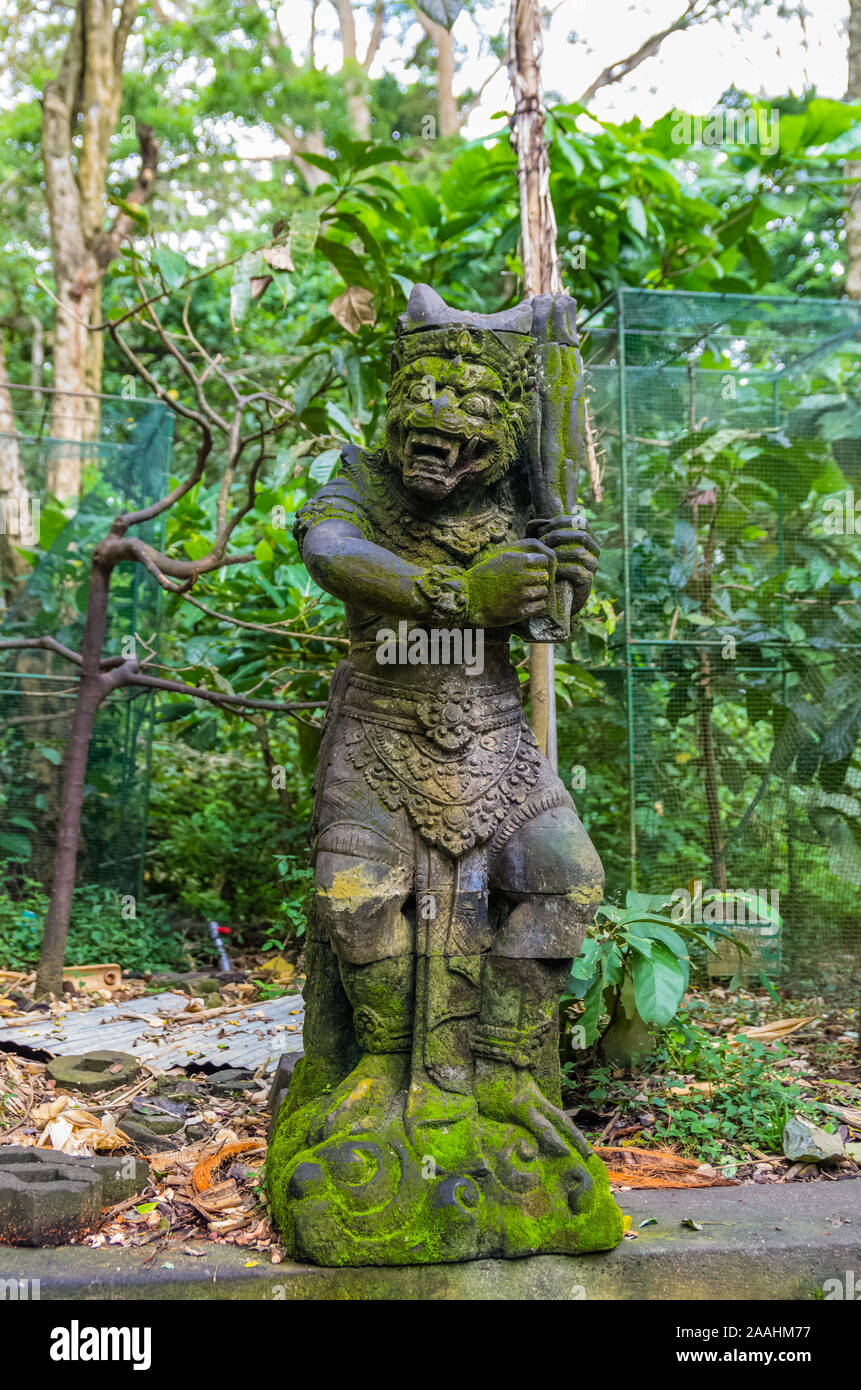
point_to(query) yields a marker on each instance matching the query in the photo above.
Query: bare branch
(692, 14)
(48, 644)
(177, 406)
(376, 35)
(270, 629)
(107, 247)
(188, 371)
(116, 549)
(122, 523)
(467, 107)
(218, 697)
(128, 15)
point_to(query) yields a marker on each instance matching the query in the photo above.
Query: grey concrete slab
(774, 1243)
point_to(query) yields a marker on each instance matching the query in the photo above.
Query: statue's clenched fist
(512, 585)
(576, 550)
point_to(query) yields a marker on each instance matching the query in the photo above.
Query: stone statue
(454, 880)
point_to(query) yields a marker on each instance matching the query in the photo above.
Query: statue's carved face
(448, 421)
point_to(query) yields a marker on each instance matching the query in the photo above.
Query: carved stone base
(382, 1171)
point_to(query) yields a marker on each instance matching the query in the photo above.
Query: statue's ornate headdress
(534, 347)
(503, 342)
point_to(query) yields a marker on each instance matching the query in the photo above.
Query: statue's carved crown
(503, 342)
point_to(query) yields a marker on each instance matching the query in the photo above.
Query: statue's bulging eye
(422, 390)
(477, 405)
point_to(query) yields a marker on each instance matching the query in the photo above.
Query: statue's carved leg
(328, 1036)
(361, 904)
(550, 881)
(441, 1116)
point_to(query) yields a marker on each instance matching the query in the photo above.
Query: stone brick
(46, 1200)
(89, 1072)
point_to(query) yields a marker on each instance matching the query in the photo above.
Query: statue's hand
(576, 550)
(511, 585)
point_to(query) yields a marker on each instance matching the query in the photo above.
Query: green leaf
(593, 1007)
(348, 265)
(246, 269)
(52, 754)
(137, 213)
(304, 229)
(16, 846)
(324, 465)
(322, 161)
(570, 153)
(172, 266)
(196, 547)
(583, 968)
(368, 240)
(637, 215)
(337, 416)
(659, 985)
(658, 931)
(612, 967)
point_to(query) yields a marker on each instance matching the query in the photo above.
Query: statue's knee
(552, 854)
(360, 902)
(552, 883)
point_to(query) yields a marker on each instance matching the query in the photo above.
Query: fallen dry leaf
(704, 1088)
(280, 969)
(70, 1129)
(657, 1168)
(773, 1032)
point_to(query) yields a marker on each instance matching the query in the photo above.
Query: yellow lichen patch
(362, 1088)
(589, 895)
(354, 888)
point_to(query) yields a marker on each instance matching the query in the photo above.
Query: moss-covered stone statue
(454, 880)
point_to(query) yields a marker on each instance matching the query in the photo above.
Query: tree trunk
(37, 353)
(540, 271)
(447, 108)
(358, 109)
(853, 166)
(91, 691)
(717, 852)
(14, 501)
(74, 414)
(85, 95)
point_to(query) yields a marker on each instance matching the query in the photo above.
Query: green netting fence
(713, 740)
(123, 463)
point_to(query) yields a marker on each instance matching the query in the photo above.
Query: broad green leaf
(659, 985)
(324, 465)
(637, 215)
(172, 266)
(17, 847)
(304, 229)
(348, 265)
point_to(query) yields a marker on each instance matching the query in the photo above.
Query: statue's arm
(497, 592)
(353, 569)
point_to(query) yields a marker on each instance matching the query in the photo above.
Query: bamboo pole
(540, 272)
